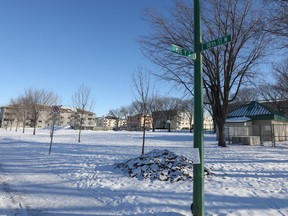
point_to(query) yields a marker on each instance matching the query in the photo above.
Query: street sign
(181, 51)
(55, 109)
(216, 42)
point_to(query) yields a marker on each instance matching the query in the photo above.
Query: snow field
(81, 179)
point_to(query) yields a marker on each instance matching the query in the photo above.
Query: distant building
(169, 119)
(110, 122)
(173, 119)
(178, 120)
(136, 122)
(9, 117)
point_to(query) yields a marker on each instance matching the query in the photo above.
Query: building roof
(255, 110)
(238, 119)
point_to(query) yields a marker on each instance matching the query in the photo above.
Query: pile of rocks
(162, 165)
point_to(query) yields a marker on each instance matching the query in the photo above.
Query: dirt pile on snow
(160, 165)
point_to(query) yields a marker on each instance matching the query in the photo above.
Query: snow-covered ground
(81, 179)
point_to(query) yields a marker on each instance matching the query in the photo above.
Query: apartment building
(136, 122)
(10, 117)
(173, 119)
(110, 122)
(178, 120)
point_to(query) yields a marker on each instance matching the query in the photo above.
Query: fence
(267, 133)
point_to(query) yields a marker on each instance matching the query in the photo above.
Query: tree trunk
(143, 143)
(23, 127)
(79, 135)
(191, 125)
(221, 134)
(117, 124)
(34, 130)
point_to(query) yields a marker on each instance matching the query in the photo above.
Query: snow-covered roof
(255, 110)
(252, 109)
(238, 119)
(69, 108)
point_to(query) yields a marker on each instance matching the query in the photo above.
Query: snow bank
(162, 165)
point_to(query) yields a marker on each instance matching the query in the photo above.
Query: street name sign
(216, 42)
(181, 51)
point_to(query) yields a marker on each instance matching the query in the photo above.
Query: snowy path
(79, 179)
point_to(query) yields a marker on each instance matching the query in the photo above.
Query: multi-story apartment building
(110, 122)
(178, 120)
(10, 117)
(136, 122)
(173, 119)
(169, 119)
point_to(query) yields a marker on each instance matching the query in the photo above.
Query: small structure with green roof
(257, 121)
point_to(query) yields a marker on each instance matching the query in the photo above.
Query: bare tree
(39, 100)
(247, 94)
(142, 91)
(124, 110)
(276, 91)
(226, 67)
(83, 101)
(280, 72)
(188, 107)
(131, 109)
(120, 114)
(23, 105)
(277, 88)
(170, 103)
(155, 105)
(16, 106)
(277, 20)
(165, 109)
(117, 114)
(270, 93)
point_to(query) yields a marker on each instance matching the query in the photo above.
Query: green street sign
(216, 42)
(181, 51)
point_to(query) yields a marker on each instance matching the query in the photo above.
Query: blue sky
(60, 44)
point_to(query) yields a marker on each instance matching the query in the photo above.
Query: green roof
(257, 111)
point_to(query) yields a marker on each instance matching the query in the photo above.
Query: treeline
(156, 104)
(32, 103)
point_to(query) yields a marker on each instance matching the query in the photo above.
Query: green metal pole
(198, 169)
